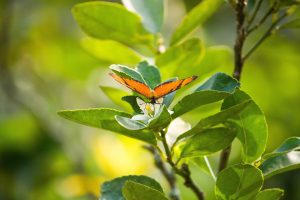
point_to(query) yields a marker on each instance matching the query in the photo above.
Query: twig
(169, 175)
(255, 13)
(265, 36)
(184, 171)
(263, 19)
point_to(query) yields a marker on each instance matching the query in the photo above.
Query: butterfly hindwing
(171, 86)
(134, 85)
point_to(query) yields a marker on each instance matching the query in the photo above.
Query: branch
(184, 171)
(262, 20)
(169, 175)
(255, 12)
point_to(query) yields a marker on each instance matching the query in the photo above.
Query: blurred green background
(44, 68)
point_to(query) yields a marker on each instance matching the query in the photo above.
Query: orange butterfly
(159, 91)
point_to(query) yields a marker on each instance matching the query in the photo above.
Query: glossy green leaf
(129, 123)
(106, 20)
(161, 120)
(290, 144)
(151, 11)
(112, 190)
(110, 51)
(207, 142)
(150, 74)
(195, 18)
(216, 119)
(216, 88)
(138, 191)
(131, 100)
(125, 71)
(183, 59)
(270, 194)
(115, 95)
(280, 163)
(251, 126)
(105, 119)
(240, 182)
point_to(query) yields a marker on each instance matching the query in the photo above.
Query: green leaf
(137, 191)
(129, 123)
(111, 21)
(216, 119)
(284, 158)
(195, 18)
(125, 71)
(115, 95)
(102, 49)
(290, 144)
(131, 99)
(182, 59)
(240, 182)
(151, 11)
(161, 120)
(150, 74)
(207, 142)
(251, 126)
(190, 4)
(294, 24)
(270, 194)
(112, 190)
(216, 88)
(204, 165)
(104, 118)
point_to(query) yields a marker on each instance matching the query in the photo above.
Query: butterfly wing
(171, 86)
(134, 85)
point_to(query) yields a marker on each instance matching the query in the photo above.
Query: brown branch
(184, 171)
(169, 175)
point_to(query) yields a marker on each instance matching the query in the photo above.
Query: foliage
(239, 117)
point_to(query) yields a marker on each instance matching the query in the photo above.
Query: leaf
(290, 144)
(125, 71)
(270, 194)
(151, 11)
(132, 102)
(111, 51)
(129, 123)
(182, 59)
(207, 142)
(240, 182)
(216, 119)
(115, 95)
(190, 4)
(161, 120)
(216, 88)
(280, 163)
(111, 21)
(204, 165)
(150, 74)
(104, 118)
(294, 24)
(195, 18)
(251, 126)
(137, 191)
(112, 190)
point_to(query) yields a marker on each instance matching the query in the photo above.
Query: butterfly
(158, 92)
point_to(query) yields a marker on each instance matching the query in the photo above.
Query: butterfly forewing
(168, 87)
(134, 85)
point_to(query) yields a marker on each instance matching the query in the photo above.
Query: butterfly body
(157, 92)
